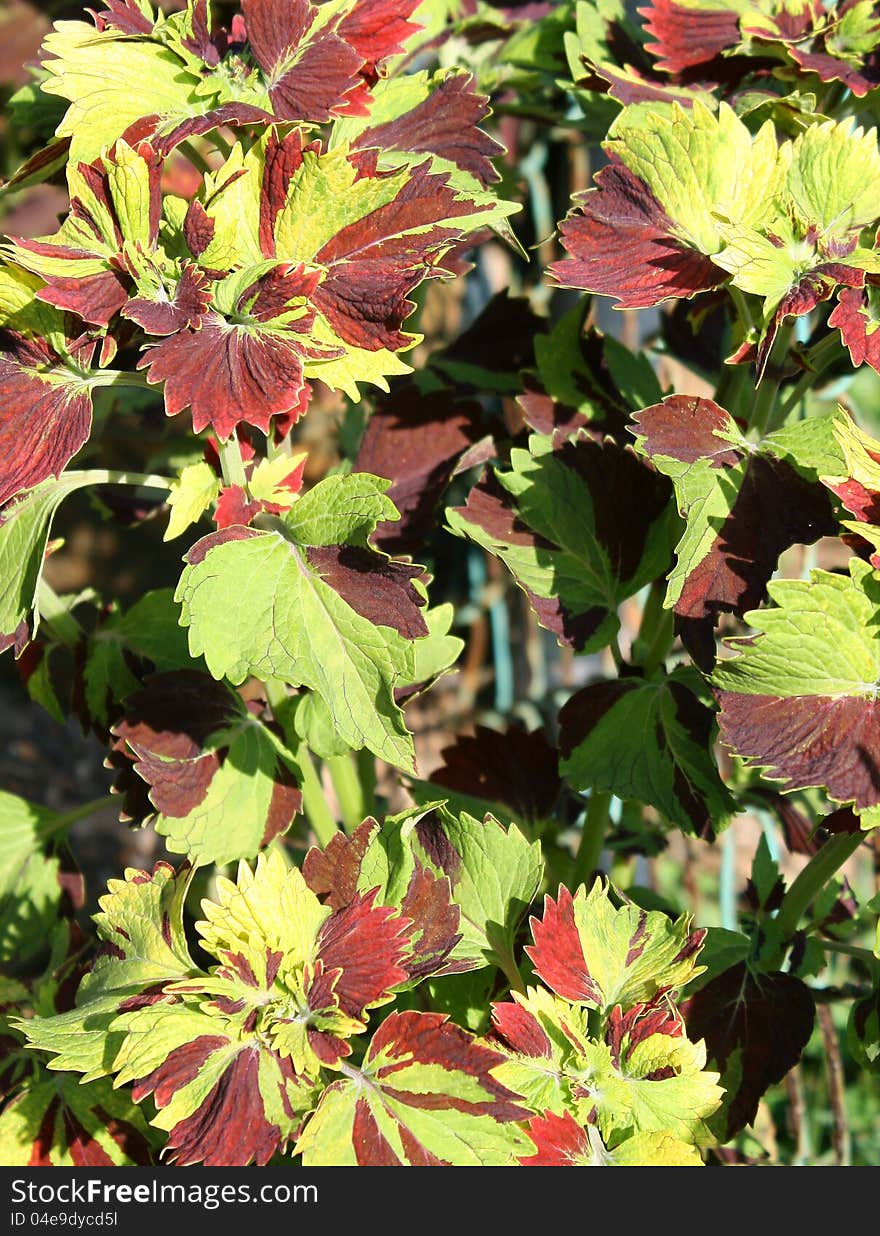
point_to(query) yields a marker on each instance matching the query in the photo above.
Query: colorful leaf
(799, 700)
(425, 1095)
(649, 741)
(61, 1123)
(554, 520)
(221, 783)
(590, 953)
(324, 610)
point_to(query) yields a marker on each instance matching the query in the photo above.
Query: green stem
(57, 617)
(762, 407)
(655, 635)
(813, 878)
(231, 463)
(743, 310)
(346, 783)
(849, 950)
(112, 476)
(592, 843)
(510, 970)
(366, 766)
(120, 377)
(818, 359)
(196, 158)
(62, 822)
(315, 806)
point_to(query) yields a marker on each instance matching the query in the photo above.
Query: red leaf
(377, 29)
(367, 943)
(853, 317)
(621, 244)
(45, 414)
(445, 124)
(558, 955)
(686, 36)
(559, 1142)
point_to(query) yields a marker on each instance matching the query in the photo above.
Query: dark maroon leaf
(516, 768)
(755, 1026)
(415, 441)
(308, 74)
(375, 587)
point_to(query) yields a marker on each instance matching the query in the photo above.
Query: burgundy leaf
(755, 1027)
(808, 741)
(308, 75)
(185, 308)
(374, 263)
(228, 373)
(415, 441)
(333, 872)
(622, 243)
(445, 124)
(516, 768)
(375, 587)
(45, 414)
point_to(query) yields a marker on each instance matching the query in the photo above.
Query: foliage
(355, 972)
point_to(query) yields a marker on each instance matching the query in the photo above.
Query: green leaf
(24, 534)
(291, 623)
(30, 888)
(150, 629)
(112, 81)
(649, 741)
(190, 496)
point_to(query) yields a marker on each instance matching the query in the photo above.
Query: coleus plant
(253, 213)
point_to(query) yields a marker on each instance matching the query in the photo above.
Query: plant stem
(813, 879)
(231, 463)
(655, 633)
(346, 783)
(592, 837)
(836, 1086)
(315, 806)
(62, 822)
(849, 950)
(743, 311)
(120, 377)
(819, 358)
(366, 766)
(55, 614)
(112, 476)
(196, 158)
